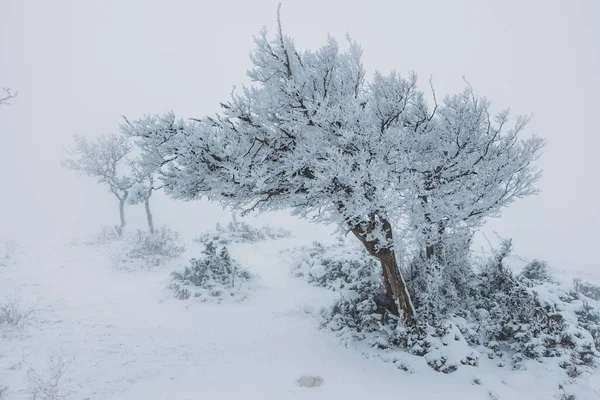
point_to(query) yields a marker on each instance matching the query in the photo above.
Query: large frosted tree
(312, 135)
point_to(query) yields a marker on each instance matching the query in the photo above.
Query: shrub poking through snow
(14, 312)
(588, 314)
(356, 278)
(107, 234)
(506, 316)
(359, 314)
(162, 244)
(10, 251)
(528, 317)
(214, 277)
(309, 381)
(536, 272)
(587, 289)
(241, 232)
(3, 391)
(145, 249)
(335, 267)
(49, 386)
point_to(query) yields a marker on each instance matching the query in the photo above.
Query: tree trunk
(122, 214)
(149, 215)
(396, 290)
(429, 252)
(432, 249)
(429, 249)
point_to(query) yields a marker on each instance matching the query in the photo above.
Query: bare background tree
(105, 159)
(6, 95)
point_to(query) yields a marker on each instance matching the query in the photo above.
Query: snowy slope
(126, 337)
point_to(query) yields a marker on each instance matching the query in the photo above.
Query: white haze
(79, 66)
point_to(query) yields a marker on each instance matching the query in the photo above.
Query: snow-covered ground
(122, 335)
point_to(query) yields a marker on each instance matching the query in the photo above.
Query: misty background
(79, 66)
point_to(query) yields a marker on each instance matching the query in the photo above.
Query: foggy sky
(80, 65)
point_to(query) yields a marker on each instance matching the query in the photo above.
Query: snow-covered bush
(107, 234)
(14, 311)
(355, 276)
(335, 266)
(49, 386)
(512, 318)
(241, 232)
(214, 277)
(529, 317)
(536, 272)
(10, 251)
(362, 302)
(587, 289)
(3, 391)
(518, 317)
(360, 312)
(147, 249)
(162, 244)
(564, 392)
(440, 286)
(589, 313)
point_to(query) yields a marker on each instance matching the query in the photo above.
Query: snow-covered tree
(145, 171)
(312, 135)
(105, 159)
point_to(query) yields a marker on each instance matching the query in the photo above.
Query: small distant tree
(142, 190)
(105, 159)
(6, 95)
(146, 171)
(312, 135)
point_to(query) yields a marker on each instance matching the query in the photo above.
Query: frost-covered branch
(6, 95)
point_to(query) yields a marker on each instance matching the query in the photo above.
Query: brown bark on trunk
(429, 252)
(396, 290)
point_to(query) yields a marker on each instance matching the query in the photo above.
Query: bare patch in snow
(309, 381)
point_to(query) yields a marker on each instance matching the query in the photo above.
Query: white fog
(296, 313)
